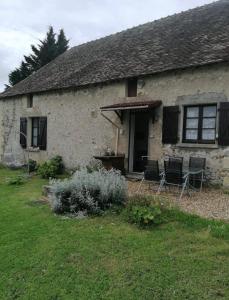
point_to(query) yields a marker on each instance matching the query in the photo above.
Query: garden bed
(210, 203)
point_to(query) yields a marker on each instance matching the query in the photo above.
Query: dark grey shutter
(23, 132)
(170, 124)
(223, 134)
(42, 139)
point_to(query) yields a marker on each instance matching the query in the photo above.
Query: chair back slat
(175, 159)
(152, 171)
(197, 163)
(174, 171)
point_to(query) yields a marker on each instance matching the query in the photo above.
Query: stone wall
(198, 86)
(75, 128)
(77, 131)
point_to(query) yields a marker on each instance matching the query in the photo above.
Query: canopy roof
(147, 104)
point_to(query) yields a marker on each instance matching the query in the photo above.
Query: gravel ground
(210, 203)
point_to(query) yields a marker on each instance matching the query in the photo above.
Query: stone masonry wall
(77, 131)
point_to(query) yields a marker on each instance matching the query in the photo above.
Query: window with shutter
(223, 137)
(200, 124)
(39, 133)
(170, 124)
(43, 133)
(23, 132)
(35, 132)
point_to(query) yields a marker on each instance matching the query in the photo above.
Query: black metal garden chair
(197, 172)
(151, 173)
(174, 159)
(173, 175)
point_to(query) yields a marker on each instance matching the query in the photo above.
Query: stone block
(226, 163)
(226, 182)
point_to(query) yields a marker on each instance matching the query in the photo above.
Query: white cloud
(24, 22)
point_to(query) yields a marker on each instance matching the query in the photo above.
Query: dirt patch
(210, 203)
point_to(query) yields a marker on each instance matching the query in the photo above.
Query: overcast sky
(24, 22)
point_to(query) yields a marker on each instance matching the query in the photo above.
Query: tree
(6, 87)
(46, 51)
(19, 73)
(62, 42)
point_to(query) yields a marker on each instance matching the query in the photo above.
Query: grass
(43, 256)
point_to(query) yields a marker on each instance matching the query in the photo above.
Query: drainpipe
(117, 132)
(117, 140)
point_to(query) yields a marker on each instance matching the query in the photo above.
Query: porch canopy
(140, 103)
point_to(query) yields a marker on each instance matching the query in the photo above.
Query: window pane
(35, 122)
(209, 111)
(35, 141)
(35, 131)
(192, 112)
(191, 135)
(208, 134)
(192, 123)
(209, 123)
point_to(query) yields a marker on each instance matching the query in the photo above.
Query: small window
(35, 132)
(39, 133)
(30, 101)
(132, 87)
(200, 124)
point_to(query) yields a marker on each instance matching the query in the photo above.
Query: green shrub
(89, 193)
(16, 180)
(58, 161)
(32, 165)
(145, 210)
(51, 168)
(145, 215)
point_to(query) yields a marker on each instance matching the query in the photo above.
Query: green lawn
(43, 256)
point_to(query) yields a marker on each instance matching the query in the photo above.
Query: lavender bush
(90, 193)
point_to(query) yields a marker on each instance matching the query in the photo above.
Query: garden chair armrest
(195, 172)
(162, 173)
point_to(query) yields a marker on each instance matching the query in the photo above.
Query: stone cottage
(158, 88)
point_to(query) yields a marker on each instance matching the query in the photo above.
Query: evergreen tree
(6, 87)
(14, 76)
(19, 73)
(62, 42)
(47, 50)
(44, 53)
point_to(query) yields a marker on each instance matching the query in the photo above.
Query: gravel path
(210, 203)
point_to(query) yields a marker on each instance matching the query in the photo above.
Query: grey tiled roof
(196, 37)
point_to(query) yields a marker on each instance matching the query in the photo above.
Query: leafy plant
(90, 193)
(32, 165)
(16, 180)
(58, 161)
(145, 210)
(143, 215)
(51, 168)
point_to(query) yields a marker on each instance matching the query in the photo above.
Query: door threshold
(134, 175)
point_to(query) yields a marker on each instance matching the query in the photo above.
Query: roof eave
(218, 61)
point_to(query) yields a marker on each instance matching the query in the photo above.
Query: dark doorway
(140, 144)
